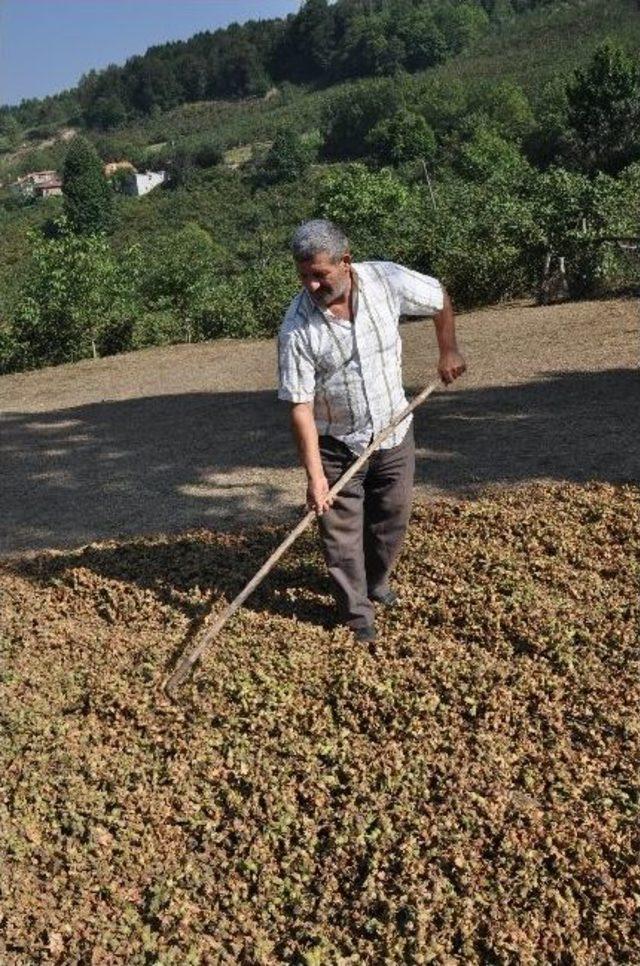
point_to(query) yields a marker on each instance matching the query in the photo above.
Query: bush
(574, 212)
(402, 137)
(156, 328)
(478, 242)
(372, 207)
(352, 113)
(207, 153)
(77, 296)
(488, 158)
(8, 349)
(249, 305)
(507, 109)
(287, 160)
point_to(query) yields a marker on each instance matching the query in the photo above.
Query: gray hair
(317, 236)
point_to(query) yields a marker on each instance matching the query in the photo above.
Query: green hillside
(494, 123)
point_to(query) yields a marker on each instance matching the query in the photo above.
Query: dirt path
(187, 436)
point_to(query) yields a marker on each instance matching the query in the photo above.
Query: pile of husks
(464, 791)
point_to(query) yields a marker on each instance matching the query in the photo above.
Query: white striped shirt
(352, 371)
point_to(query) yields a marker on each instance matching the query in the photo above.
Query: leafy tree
(604, 111)
(306, 48)
(506, 107)
(152, 84)
(106, 113)
(287, 160)
(424, 42)
(500, 11)
(462, 24)
(179, 273)
(444, 103)
(9, 130)
(488, 158)
(88, 201)
(369, 49)
(77, 295)
(402, 137)
(353, 112)
(547, 141)
(372, 207)
(193, 77)
(241, 72)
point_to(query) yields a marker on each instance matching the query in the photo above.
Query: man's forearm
(451, 364)
(306, 437)
(446, 327)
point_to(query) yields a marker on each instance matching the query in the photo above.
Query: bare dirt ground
(165, 440)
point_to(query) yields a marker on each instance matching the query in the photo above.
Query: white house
(142, 184)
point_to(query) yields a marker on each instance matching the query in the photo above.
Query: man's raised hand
(451, 365)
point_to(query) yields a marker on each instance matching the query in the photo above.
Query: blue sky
(46, 45)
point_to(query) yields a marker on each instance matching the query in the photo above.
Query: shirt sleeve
(417, 294)
(296, 371)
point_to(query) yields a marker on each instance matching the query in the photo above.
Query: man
(340, 368)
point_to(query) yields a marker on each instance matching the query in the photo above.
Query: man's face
(326, 281)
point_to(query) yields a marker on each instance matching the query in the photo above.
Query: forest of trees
(322, 44)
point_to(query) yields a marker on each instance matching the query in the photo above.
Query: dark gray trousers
(363, 532)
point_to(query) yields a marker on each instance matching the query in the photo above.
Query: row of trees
(484, 235)
(321, 44)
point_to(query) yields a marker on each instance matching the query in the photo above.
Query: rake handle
(190, 655)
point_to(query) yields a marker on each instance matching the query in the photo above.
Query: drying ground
(464, 791)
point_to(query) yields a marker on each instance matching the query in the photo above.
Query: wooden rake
(203, 640)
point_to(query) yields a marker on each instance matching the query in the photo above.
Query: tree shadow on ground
(222, 461)
(573, 427)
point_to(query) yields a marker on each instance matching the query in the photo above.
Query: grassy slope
(532, 49)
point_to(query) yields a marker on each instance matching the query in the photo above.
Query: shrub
(207, 153)
(76, 297)
(478, 241)
(507, 109)
(372, 207)
(404, 136)
(352, 113)
(8, 349)
(156, 327)
(248, 305)
(287, 160)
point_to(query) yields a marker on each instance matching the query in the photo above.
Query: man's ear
(346, 258)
